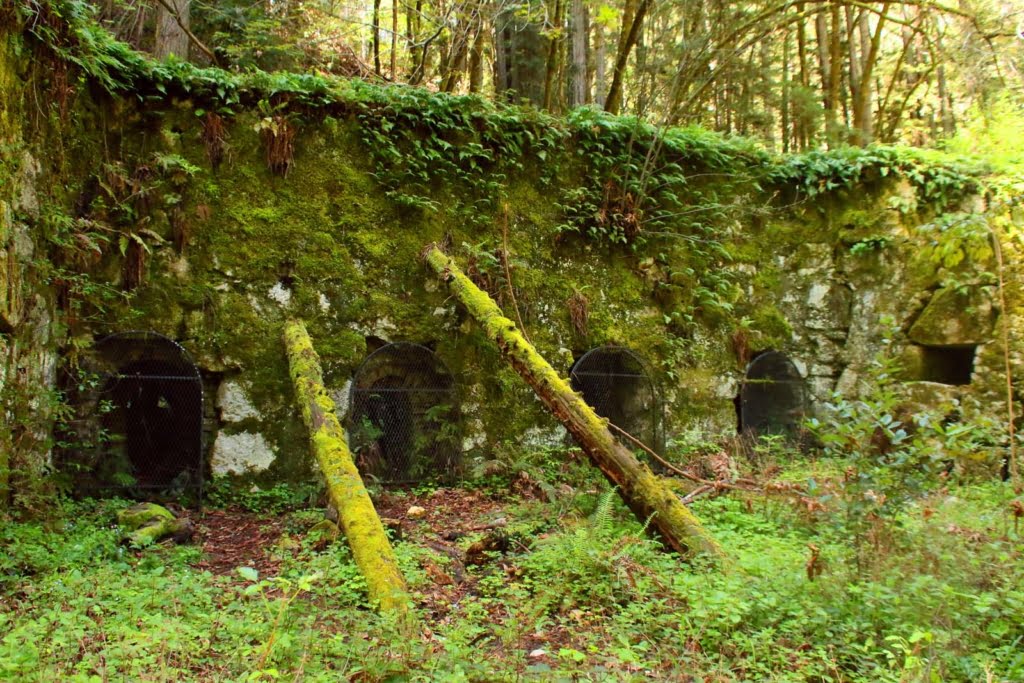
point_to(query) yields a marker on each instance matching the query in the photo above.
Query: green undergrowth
(581, 588)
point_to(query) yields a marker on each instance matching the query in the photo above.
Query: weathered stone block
(955, 317)
(233, 403)
(240, 453)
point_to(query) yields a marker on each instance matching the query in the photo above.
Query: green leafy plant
(892, 456)
(276, 610)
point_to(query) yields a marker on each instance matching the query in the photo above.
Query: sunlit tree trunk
(394, 40)
(627, 40)
(600, 64)
(784, 105)
(376, 37)
(802, 132)
(554, 49)
(476, 61)
(171, 37)
(578, 73)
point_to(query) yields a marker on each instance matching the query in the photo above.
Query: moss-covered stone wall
(185, 222)
(28, 326)
(824, 281)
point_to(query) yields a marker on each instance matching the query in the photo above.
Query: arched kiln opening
(404, 423)
(773, 398)
(616, 383)
(149, 406)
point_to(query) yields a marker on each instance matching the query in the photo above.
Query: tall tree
(633, 20)
(172, 22)
(578, 72)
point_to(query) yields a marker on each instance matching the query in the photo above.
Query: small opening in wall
(947, 364)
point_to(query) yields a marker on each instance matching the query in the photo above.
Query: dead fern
(619, 212)
(741, 346)
(181, 230)
(61, 88)
(142, 187)
(278, 136)
(134, 268)
(579, 313)
(214, 138)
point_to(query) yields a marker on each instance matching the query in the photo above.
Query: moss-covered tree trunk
(646, 495)
(363, 529)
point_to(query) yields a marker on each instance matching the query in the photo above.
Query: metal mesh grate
(148, 404)
(773, 398)
(615, 382)
(404, 423)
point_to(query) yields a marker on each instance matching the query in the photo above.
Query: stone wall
(825, 282)
(28, 325)
(218, 255)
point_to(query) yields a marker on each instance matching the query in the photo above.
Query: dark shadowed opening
(773, 398)
(947, 364)
(615, 382)
(150, 412)
(404, 421)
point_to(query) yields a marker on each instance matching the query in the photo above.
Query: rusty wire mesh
(404, 423)
(617, 384)
(144, 414)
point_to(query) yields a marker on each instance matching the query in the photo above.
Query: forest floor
(571, 589)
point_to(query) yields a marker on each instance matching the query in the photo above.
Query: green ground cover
(579, 593)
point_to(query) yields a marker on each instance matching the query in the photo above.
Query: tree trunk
(856, 59)
(784, 105)
(802, 133)
(825, 68)
(551, 67)
(376, 37)
(171, 37)
(476, 60)
(600, 64)
(835, 74)
(645, 494)
(578, 91)
(613, 103)
(394, 40)
(520, 57)
(370, 547)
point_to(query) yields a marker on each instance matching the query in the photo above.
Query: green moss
(138, 516)
(370, 547)
(770, 327)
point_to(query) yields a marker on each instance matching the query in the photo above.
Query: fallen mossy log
(644, 493)
(359, 520)
(144, 524)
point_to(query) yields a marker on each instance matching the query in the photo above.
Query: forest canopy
(796, 75)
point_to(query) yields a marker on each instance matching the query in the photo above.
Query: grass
(581, 595)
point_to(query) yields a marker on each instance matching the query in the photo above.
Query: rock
(415, 512)
(331, 513)
(147, 523)
(234, 404)
(955, 318)
(394, 526)
(536, 654)
(323, 533)
(240, 453)
(141, 514)
(286, 544)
